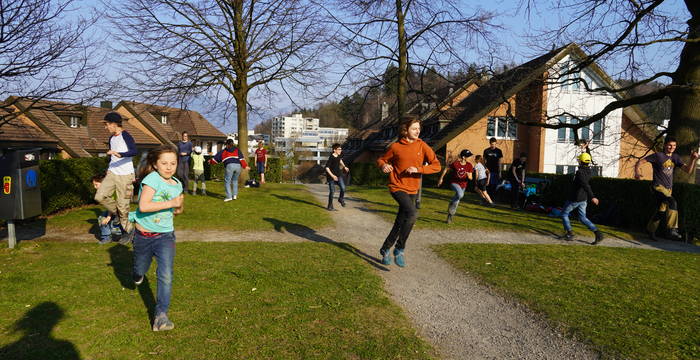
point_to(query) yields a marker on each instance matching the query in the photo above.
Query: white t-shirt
(480, 171)
(117, 165)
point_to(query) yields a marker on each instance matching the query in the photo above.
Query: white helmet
(198, 149)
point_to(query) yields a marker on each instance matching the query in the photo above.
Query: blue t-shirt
(157, 221)
(184, 147)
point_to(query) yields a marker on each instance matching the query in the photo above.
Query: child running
(160, 198)
(578, 198)
(404, 163)
(198, 168)
(482, 179)
(461, 173)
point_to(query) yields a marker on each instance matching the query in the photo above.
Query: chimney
(385, 110)
(106, 104)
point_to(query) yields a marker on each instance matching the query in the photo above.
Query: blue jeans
(454, 203)
(233, 170)
(162, 247)
(106, 231)
(331, 190)
(581, 208)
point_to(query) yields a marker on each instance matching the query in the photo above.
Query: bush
(273, 173)
(369, 174)
(67, 183)
(631, 201)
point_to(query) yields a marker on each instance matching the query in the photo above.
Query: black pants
(494, 180)
(183, 174)
(514, 194)
(405, 219)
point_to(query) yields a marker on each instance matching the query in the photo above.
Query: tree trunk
(403, 60)
(241, 97)
(241, 88)
(684, 124)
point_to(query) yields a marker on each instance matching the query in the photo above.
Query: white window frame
(569, 133)
(164, 119)
(509, 122)
(74, 121)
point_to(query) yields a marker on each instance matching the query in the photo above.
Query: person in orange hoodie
(404, 162)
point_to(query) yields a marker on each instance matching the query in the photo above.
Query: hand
(412, 170)
(247, 168)
(177, 202)
(694, 155)
(387, 168)
(595, 201)
(183, 154)
(335, 178)
(346, 169)
(439, 183)
(112, 152)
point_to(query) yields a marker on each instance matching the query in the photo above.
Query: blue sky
(512, 48)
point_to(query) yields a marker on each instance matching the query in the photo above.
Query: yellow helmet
(585, 158)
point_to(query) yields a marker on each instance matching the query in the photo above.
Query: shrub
(273, 173)
(369, 174)
(66, 183)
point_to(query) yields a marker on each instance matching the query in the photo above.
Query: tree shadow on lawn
(37, 343)
(311, 234)
(122, 263)
(25, 230)
(289, 198)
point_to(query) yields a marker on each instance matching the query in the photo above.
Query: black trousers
(405, 218)
(515, 194)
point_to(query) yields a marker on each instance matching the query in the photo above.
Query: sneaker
(342, 203)
(235, 197)
(204, 192)
(398, 258)
(569, 236)
(162, 323)
(227, 199)
(386, 259)
(673, 234)
(138, 279)
(331, 209)
(598, 238)
(127, 237)
(449, 218)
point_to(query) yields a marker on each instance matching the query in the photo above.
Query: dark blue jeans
(405, 218)
(331, 191)
(162, 246)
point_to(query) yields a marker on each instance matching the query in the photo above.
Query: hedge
(67, 183)
(629, 203)
(273, 173)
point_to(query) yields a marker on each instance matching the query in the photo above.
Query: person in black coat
(578, 199)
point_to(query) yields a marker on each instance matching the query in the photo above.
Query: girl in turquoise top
(160, 198)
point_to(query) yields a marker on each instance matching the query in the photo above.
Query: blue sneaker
(386, 259)
(398, 257)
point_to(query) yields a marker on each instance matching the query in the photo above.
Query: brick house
(533, 92)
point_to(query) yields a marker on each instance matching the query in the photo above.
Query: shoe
(138, 279)
(331, 209)
(652, 235)
(673, 234)
(235, 197)
(162, 323)
(449, 219)
(398, 258)
(105, 241)
(342, 203)
(227, 199)
(127, 237)
(598, 237)
(569, 236)
(204, 192)
(386, 259)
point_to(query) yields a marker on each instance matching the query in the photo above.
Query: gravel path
(461, 318)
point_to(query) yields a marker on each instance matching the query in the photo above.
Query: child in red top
(261, 160)
(404, 162)
(461, 173)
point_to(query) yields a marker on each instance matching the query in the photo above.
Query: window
(592, 132)
(501, 127)
(74, 121)
(163, 119)
(571, 169)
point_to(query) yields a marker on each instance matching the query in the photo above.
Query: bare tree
(44, 54)
(218, 50)
(630, 35)
(421, 34)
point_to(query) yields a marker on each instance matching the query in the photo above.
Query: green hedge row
(67, 183)
(369, 174)
(273, 173)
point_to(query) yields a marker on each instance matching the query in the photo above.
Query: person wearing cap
(663, 163)
(461, 174)
(578, 199)
(120, 175)
(198, 169)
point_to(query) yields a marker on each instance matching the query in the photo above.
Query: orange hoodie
(402, 155)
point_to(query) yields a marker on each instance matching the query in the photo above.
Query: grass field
(631, 303)
(471, 215)
(291, 204)
(230, 301)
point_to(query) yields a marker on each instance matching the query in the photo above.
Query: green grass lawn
(291, 204)
(230, 301)
(471, 215)
(631, 303)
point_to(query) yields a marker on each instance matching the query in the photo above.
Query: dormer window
(163, 119)
(74, 121)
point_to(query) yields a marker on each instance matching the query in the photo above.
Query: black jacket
(581, 190)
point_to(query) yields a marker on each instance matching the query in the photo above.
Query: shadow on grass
(289, 198)
(308, 233)
(37, 343)
(25, 229)
(122, 263)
